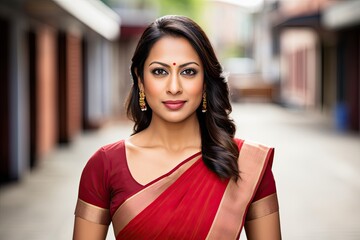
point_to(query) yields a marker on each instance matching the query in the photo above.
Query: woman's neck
(173, 136)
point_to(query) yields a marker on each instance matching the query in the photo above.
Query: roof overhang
(73, 15)
(95, 14)
(310, 20)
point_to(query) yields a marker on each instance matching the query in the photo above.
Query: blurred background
(293, 69)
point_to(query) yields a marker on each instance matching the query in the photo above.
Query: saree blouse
(188, 202)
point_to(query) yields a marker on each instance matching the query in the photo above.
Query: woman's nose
(174, 86)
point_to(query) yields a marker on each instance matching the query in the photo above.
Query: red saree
(189, 202)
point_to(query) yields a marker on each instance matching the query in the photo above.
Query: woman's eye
(189, 72)
(159, 71)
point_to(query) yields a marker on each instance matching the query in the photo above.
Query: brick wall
(46, 94)
(70, 86)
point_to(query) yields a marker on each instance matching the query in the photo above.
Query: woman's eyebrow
(160, 63)
(167, 65)
(185, 64)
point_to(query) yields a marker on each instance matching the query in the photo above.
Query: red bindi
(174, 64)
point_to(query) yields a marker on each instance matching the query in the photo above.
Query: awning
(95, 14)
(310, 20)
(74, 14)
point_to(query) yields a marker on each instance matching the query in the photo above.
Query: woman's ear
(139, 82)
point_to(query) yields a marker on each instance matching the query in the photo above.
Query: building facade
(55, 76)
(317, 42)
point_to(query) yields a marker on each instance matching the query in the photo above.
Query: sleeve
(94, 196)
(265, 200)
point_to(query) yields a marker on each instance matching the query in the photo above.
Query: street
(316, 170)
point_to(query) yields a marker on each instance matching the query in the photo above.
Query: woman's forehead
(172, 50)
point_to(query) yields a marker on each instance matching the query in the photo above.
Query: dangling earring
(142, 102)
(204, 109)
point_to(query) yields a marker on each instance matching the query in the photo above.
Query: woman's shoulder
(114, 146)
(254, 155)
(255, 161)
(109, 152)
(252, 152)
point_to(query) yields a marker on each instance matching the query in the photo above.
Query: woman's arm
(264, 228)
(86, 230)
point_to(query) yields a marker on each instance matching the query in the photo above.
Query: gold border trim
(229, 219)
(141, 200)
(263, 207)
(92, 213)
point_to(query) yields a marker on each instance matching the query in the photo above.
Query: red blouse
(106, 181)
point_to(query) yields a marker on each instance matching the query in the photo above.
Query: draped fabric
(189, 202)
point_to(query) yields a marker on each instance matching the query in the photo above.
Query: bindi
(174, 64)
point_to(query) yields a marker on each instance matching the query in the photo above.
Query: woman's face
(173, 80)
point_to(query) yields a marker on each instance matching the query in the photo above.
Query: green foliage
(231, 51)
(189, 8)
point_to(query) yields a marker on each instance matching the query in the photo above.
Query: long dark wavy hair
(219, 151)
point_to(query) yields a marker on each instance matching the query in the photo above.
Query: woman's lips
(174, 104)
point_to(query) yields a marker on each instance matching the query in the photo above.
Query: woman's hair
(219, 151)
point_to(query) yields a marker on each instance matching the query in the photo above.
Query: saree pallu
(191, 202)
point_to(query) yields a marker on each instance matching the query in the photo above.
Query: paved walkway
(316, 169)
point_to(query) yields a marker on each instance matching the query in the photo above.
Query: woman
(181, 175)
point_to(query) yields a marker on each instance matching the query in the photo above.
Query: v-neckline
(161, 176)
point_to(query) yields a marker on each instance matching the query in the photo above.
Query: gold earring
(142, 102)
(204, 109)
